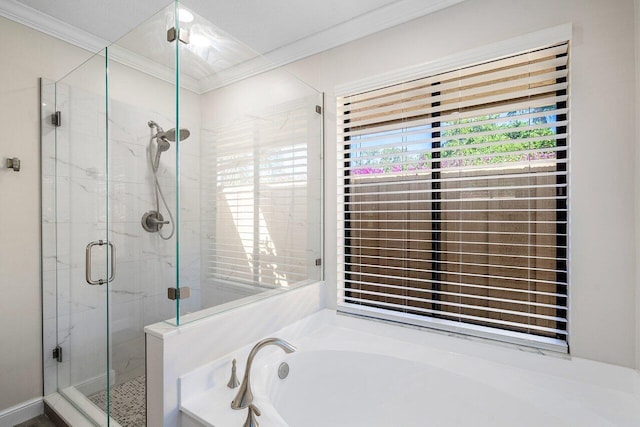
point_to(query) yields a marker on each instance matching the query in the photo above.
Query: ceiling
(264, 25)
(282, 30)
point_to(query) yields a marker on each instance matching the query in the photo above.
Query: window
(454, 200)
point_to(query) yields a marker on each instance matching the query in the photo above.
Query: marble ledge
(66, 411)
(166, 329)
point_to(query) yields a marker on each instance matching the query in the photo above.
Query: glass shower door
(83, 250)
(115, 162)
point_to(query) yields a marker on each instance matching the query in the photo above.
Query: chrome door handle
(88, 262)
(113, 262)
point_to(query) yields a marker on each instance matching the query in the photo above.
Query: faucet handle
(233, 381)
(251, 420)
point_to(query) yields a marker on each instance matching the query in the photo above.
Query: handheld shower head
(164, 139)
(162, 145)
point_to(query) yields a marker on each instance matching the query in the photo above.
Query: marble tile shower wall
(75, 212)
(146, 263)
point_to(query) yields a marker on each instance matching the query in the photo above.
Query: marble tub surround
(498, 385)
(211, 337)
(205, 397)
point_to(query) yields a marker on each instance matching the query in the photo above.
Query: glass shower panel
(251, 186)
(81, 220)
(143, 121)
(48, 229)
(143, 201)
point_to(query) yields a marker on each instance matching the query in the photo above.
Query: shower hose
(158, 191)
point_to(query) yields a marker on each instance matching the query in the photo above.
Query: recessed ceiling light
(184, 15)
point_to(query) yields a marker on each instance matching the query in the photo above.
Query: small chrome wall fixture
(13, 163)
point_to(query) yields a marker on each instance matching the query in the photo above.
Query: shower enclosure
(181, 177)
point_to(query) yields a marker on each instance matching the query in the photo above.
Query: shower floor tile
(127, 402)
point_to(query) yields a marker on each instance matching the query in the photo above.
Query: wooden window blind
(453, 199)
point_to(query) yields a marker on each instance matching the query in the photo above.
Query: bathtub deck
(508, 383)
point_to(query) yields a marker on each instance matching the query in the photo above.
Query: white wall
(26, 56)
(602, 294)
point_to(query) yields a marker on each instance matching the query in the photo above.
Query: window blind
(255, 200)
(453, 199)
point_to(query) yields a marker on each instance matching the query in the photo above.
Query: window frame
(562, 240)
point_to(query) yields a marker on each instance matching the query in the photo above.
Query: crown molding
(54, 27)
(369, 23)
(152, 68)
(377, 20)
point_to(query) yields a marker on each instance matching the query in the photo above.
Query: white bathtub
(356, 373)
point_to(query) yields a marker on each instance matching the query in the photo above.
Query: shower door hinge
(56, 119)
(178, 293)
(57, 353)
(318, 109)
(319, 261)
(182, 34)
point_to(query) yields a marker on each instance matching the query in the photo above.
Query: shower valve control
(152, 221)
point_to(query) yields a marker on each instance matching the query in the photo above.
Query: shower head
(164, 140)
(171, 134)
